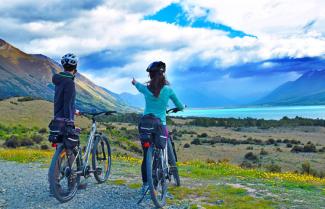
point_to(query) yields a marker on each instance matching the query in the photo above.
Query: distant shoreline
(265, 112)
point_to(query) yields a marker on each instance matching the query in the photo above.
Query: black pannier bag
(71, 139)
(62, 131)
(151, 130)
(57, 130)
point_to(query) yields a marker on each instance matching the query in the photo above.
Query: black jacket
(65, 96)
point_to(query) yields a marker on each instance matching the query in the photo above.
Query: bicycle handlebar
(174, 110)
(98, 113)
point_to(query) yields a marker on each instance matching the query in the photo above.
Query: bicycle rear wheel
(101, 159)
(156, 177)
(63, 178)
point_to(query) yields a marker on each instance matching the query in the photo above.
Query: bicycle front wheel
(156, 177)
(63, 178)
(101, 159)
(172, 164)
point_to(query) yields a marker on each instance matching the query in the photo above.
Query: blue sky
(234, 51)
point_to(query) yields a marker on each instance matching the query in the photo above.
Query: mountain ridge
(25, 74)
(308, 89)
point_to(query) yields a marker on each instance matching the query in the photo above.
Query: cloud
(115, 41)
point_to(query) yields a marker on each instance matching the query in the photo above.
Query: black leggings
(143, 165)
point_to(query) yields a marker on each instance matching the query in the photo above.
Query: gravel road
(26, 186)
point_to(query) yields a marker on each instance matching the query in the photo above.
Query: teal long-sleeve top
(158, 105)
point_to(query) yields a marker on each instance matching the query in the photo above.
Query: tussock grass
(219, 196)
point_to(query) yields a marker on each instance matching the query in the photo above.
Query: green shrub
(321, 149)
(196, 141)
(37, 139)
(187, 145)
(203, 135)
(26, 142)
(12, 142)
(270, 141)
(251, 156)
(289, 145)
(309, 148)
(297, 148)
(250, 148)
(45, 147)
(263, 152)
(247, 164)
(273, 168)
(306, 168)
(123, 129)
(42, 131)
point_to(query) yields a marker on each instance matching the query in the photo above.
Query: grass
(211, 185)
(36, 113)
(195, 169)
(219, 196)
(118, 182)
(26, 155)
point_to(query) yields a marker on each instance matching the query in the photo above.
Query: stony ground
(25, 186)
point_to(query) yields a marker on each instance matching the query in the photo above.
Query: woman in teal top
(157, 93)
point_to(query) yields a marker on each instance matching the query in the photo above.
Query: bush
(186, 145)
(45, 147)
(306, 167)
(270, 141)
(123, 129)
(26, 142)
(42, 131)
(196, 141)
(251, 156)
(310, 148)
(297, 148)
(12, 142)
(278, 141)
(210, 161)
(273, 168)
(263, 152)
(203, 135)
(289, 145)
(278, 149)
(321, 149)
(246, 164)
(37, 139)
(250, 148)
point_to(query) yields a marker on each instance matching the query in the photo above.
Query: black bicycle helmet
(157, 66)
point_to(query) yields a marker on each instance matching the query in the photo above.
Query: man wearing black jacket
(65, 92)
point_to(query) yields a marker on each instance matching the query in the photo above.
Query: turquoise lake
(258, 112)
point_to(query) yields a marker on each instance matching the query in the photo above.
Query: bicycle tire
(55, 170)
(153, 164)
(101, 142)
(172, 162)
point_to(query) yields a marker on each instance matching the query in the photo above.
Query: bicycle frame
(90, 142)
(85, 158)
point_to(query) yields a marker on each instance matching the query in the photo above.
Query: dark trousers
(143, 165)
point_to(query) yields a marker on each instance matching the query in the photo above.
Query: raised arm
(141, 88)
(175, 100)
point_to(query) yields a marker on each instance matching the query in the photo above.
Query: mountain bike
(161, 167)
(68, 165)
